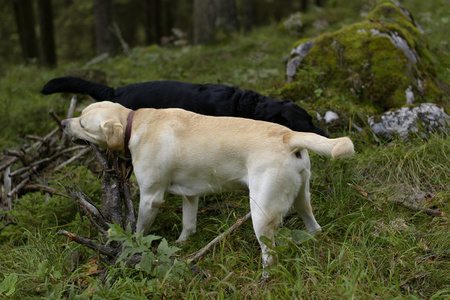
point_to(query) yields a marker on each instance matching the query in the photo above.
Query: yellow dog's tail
(339, 147)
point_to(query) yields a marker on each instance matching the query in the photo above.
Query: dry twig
(196, 256)
(428, 211)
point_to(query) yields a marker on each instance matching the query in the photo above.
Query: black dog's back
(207, 99)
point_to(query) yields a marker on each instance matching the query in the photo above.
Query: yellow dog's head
(102, 123)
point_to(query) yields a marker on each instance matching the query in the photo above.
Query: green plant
(8, 285)
(158, 265)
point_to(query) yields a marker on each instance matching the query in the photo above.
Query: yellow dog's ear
(114, 135)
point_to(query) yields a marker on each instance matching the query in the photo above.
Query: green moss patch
(372, 62)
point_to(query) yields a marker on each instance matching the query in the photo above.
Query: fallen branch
(45, 189)
(55, 117)
(19, 154)
(428, 211)
(202, 252)
(72, 159)
(106, 250)
(73, 104)
(94, 214)
(18, 187)
(130, 214)
(404, 202)
(35, 138)
(206, 210)
(26, 150)
(7, 184)
(360, 190)
(125, 47)
(45, 160)
(8, 163)
(30, 169)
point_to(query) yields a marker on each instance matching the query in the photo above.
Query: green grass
(370, 247)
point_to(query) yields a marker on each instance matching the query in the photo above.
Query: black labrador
(207, 99)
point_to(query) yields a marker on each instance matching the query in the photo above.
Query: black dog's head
(299, 120)
(289, 114)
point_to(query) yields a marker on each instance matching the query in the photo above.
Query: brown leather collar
(127, 153)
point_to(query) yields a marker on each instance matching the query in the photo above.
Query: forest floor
(378, 241)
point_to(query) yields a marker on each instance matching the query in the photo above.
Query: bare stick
(7, 200)
(125, 47)
(55, 117)
(111, 185)
(39, 144)
(8, 163)
(48, 159)
(32, 137)
(18, 187)
(89, 208)
(92, 211)
(109, 251)
(73, 103)
(202, 252)
(428, 211)
(20, 171)
(74, 158)
(36, 145)
(125, 169)
(130, 214)
(43, 188)
(20, 154)
(100, 158)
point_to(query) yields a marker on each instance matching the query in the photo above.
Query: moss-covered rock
(377, 63)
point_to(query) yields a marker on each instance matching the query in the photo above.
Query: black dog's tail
(99, 92)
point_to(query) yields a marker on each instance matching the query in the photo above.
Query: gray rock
(422, 119)
(297, 54)
(329, 116)
(409, 95)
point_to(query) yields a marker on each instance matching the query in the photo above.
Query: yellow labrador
(188, 154)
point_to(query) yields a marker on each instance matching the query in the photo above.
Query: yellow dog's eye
(81, 124)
